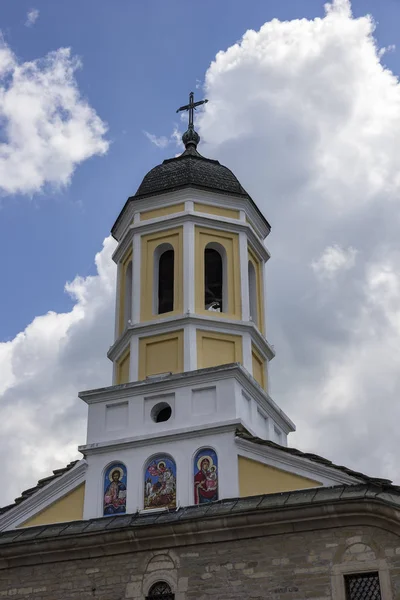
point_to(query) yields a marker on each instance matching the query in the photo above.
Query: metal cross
(191, 107)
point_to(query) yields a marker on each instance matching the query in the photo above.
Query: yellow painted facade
(215, 349)
(257, 478)
(258, 363)
(127, 259)
(230, 243)
(123, 368)
(259, 288)
(162, 212)
(174, 238)
(218, 211)
(161, 354)
(67, 508)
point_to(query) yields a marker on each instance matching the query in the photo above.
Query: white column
(188, 268)
(243, 252)
(247, 356)
(264, 287)
(117, 301)
(134, 359)
(136, 268)
(189, 348)
(189, 206)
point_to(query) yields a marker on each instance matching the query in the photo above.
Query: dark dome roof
(190, 169)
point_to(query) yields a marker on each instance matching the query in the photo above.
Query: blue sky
(139, 61)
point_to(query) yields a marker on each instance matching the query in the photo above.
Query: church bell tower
(190, 355)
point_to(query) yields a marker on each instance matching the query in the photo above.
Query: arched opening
(128, 294)
(214, 278)
(253, 292)
(160, 590)
(164, 278)
(160, 482)
(205, 476)
(115, 481)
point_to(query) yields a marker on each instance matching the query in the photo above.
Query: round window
(161, 412)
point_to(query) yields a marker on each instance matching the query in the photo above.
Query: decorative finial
(191, 137)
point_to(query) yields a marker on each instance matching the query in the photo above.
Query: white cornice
(167, 324)
(45, 496)
(162, 437)
(207, 220)
(192, 378)
(294, 464)
(195, 195)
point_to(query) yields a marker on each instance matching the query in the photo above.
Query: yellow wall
(161, 212)
(230, 241)
(122, 290)
(216, 210)
(257, 478)
(258, 366)
(215, 349)
(161, 354)
(259, 288)
(123, 368)
(149, 244)
(67, 508)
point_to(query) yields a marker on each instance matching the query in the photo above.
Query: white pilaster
(189, 206)
(134, 359)
(136, 278)
(188, 268)
(117, 302)
(190, 348)
(244, 283)
(247, 356)
(264, 286)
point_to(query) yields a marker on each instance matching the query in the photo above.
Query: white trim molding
(50, 493)
(297, 465)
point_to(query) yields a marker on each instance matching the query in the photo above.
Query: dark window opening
(213, 280)
(161, 412)
(166, 282)
(160, 590)
(362, 586)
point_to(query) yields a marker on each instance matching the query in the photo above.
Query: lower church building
(187, 487)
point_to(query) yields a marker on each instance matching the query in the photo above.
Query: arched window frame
(222, 252)
(165, 591)
(109, 467)
(159, 456)
(158, 252)
(253, 300)
(195, 458)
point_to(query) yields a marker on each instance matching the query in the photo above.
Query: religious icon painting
(205, 476)
(160, 483)
(114, 500)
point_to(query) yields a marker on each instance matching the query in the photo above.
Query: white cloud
(309, 120)
(41, 371)
(163, 141)
(31, 17)
(334, 259)
(47, 126)
(159, 141)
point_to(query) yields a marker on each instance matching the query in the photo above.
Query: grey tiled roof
(222, 508)
(190, 169)
(40, 484)
(244, 435)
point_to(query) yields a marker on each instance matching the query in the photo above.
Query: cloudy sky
(304, 106)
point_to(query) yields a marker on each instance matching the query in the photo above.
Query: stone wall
(287, 566)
